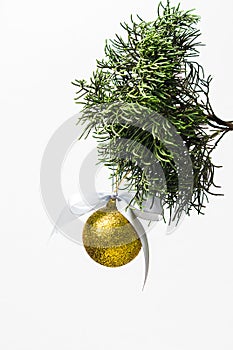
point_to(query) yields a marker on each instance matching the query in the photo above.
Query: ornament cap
(111, 205)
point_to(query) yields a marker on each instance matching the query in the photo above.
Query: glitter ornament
(109, 238)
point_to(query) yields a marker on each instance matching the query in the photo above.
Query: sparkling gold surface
(109, 238)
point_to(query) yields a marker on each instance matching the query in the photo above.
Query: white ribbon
(152, 211)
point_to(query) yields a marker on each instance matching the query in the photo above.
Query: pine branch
(154, 66)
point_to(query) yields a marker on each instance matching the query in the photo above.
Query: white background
(52, 296)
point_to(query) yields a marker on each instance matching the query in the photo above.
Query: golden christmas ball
(109, 238)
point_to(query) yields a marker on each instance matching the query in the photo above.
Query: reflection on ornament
(109, 238)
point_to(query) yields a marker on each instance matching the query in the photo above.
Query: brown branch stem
(227, 124)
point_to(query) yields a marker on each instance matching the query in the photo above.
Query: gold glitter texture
(109, 238)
